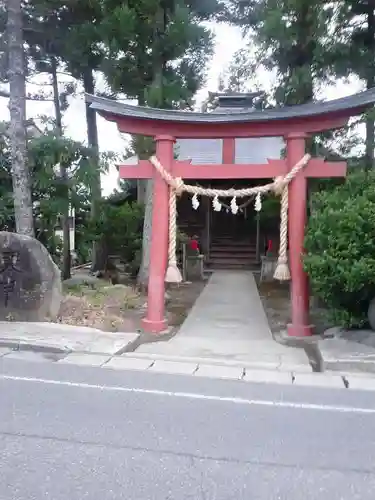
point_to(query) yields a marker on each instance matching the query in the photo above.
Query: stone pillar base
(299, 330)
(154, 326)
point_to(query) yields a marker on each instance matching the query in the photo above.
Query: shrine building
(228, 241)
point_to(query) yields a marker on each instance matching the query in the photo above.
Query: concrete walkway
(228, 322)
(56, 337)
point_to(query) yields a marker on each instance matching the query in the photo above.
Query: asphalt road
(73, 433)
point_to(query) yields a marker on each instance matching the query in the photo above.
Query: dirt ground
(276, 302)
(120, 308)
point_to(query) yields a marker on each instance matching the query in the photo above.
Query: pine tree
(292, 38)
(67, 33)
(161, 62)
(45, 35)
(355, 53)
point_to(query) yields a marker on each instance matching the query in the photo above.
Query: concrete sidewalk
(55, 337)
(226, 326)
(228, 322)
(348, 350)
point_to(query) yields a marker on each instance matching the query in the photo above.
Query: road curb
(308, 344)
(20, 345)
(277, 367)
(131, 346)
(103, 343)
(209, 370)
(198, 368)
(350, 366)
(341, 354)
(251, 373)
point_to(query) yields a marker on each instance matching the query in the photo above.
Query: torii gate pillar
(299, 287)
(155, 321)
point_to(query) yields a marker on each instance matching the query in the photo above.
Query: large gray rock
(30, 282)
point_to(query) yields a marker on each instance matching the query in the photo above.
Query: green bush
(340, 248)
(120, 229)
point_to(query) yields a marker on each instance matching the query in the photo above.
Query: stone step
(232, 247)
(234, 261)
(231, 251)
(233, 242)
(230, 265)
(242, 243)
(231, 256)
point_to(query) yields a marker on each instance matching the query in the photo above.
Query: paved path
(228, 321)
(73, 433)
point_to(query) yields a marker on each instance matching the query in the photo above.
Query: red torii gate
(294, 123)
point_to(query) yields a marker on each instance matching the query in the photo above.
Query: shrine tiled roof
(356, 103)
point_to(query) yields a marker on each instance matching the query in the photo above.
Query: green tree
(160, 60)
(151, 50)
(83, 56)
(46, 43)
(66, 35)
(49, 197)
(44, 39)
(355, 53)
(292, 38)
(70, 36)
(304, 44)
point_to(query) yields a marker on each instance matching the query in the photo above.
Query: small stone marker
(194, 268)
(268, 268)
(30, 282)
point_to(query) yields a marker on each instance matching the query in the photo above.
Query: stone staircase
(228, 253)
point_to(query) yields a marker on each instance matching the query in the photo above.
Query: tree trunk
(146, 241)
(144, 149)
(370, 128)
(157, 100)
(98, 256)
(23, 208)
(141, 191)
(56, 97)
(370, 142)
(66, 263)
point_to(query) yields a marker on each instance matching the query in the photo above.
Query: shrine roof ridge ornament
(352, 105)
